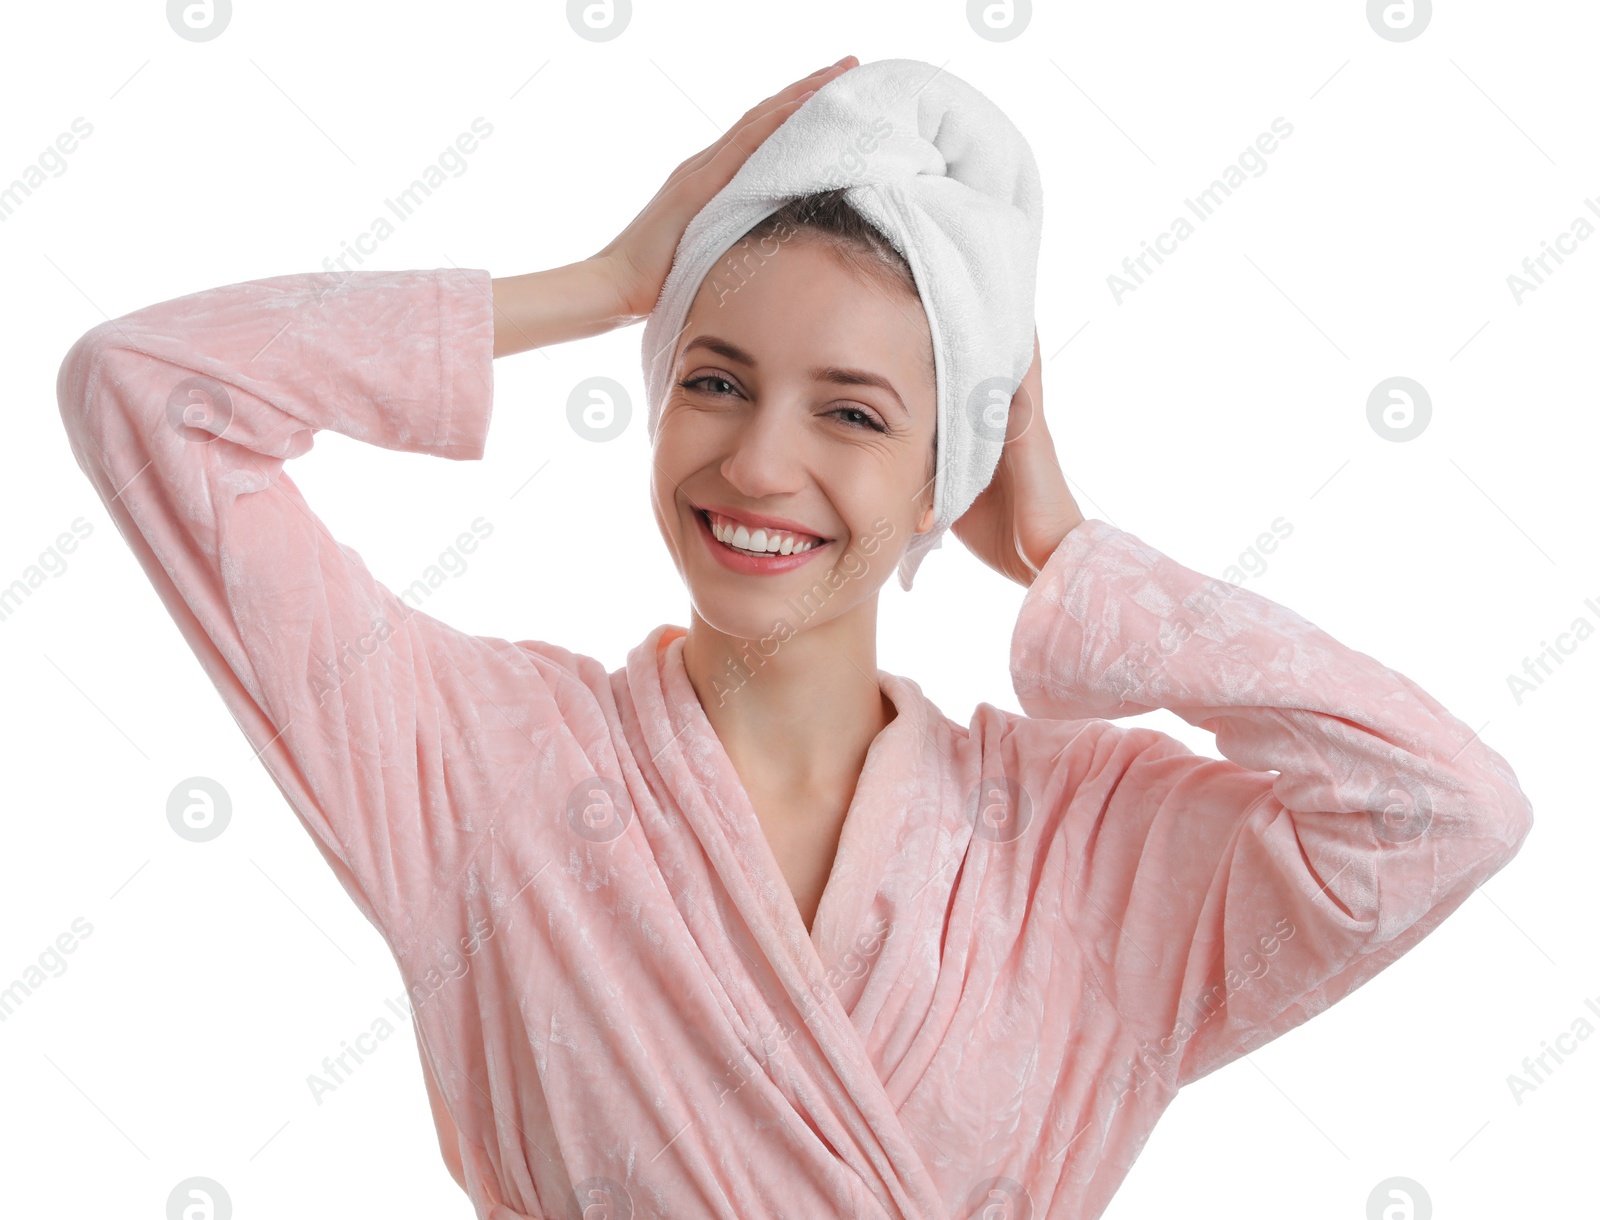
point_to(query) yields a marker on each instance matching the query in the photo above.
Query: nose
(766, 458)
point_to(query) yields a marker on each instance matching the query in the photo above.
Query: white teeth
(774, 542)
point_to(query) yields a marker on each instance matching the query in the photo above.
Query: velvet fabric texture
(1038, 927)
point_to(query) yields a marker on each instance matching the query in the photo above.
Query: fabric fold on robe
(1038, 927)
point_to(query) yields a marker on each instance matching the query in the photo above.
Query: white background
(1227, 391)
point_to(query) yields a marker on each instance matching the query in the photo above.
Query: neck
(793, 714)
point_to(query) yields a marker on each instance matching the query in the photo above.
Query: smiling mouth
(758, 541)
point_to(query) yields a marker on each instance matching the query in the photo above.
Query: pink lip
(761, 520)
(751, 565)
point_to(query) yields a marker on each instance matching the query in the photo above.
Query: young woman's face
(803, 393)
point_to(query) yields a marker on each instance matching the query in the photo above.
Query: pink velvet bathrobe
(1037, 928)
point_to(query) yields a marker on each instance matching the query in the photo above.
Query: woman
(747, 927)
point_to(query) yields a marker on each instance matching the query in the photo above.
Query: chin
(749, 616)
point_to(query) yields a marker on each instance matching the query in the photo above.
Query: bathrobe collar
(900, 762)
(783, 983)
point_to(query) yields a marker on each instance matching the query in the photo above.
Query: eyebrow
(828, 373)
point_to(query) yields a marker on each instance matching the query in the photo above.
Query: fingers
(1027, 405)
(779, 105)
(741, 141)
(770, 114)
(813, 81)
(701, 176)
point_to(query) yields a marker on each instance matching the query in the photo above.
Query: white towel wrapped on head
(951, 182)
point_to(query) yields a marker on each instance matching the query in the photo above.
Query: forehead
(806, 304)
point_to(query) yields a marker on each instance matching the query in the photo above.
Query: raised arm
(182, 414)
(377, 722)
(1224, 901)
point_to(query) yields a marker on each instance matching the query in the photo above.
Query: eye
(856, 417)
(866, 418)
(695, 383)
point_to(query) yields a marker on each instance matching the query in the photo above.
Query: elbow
(1513, 816)
(1501, 803)
(1478, 796)
(1496, 812)
(104, 392)
(1469, 817)
(77, 371)
(1472, 831)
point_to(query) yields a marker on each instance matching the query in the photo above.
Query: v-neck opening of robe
(848, 890)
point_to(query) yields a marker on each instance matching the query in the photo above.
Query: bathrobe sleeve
(182, 415)
(1221, 902)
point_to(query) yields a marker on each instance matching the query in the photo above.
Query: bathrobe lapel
(743, 929)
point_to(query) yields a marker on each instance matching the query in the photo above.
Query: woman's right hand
(638, 260)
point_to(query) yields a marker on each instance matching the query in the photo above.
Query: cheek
(661, 504)
(681, 446)
(687, 439)
(667, 473)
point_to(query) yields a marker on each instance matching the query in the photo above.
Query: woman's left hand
(1020, 518)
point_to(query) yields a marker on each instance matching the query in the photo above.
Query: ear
(926, 522)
